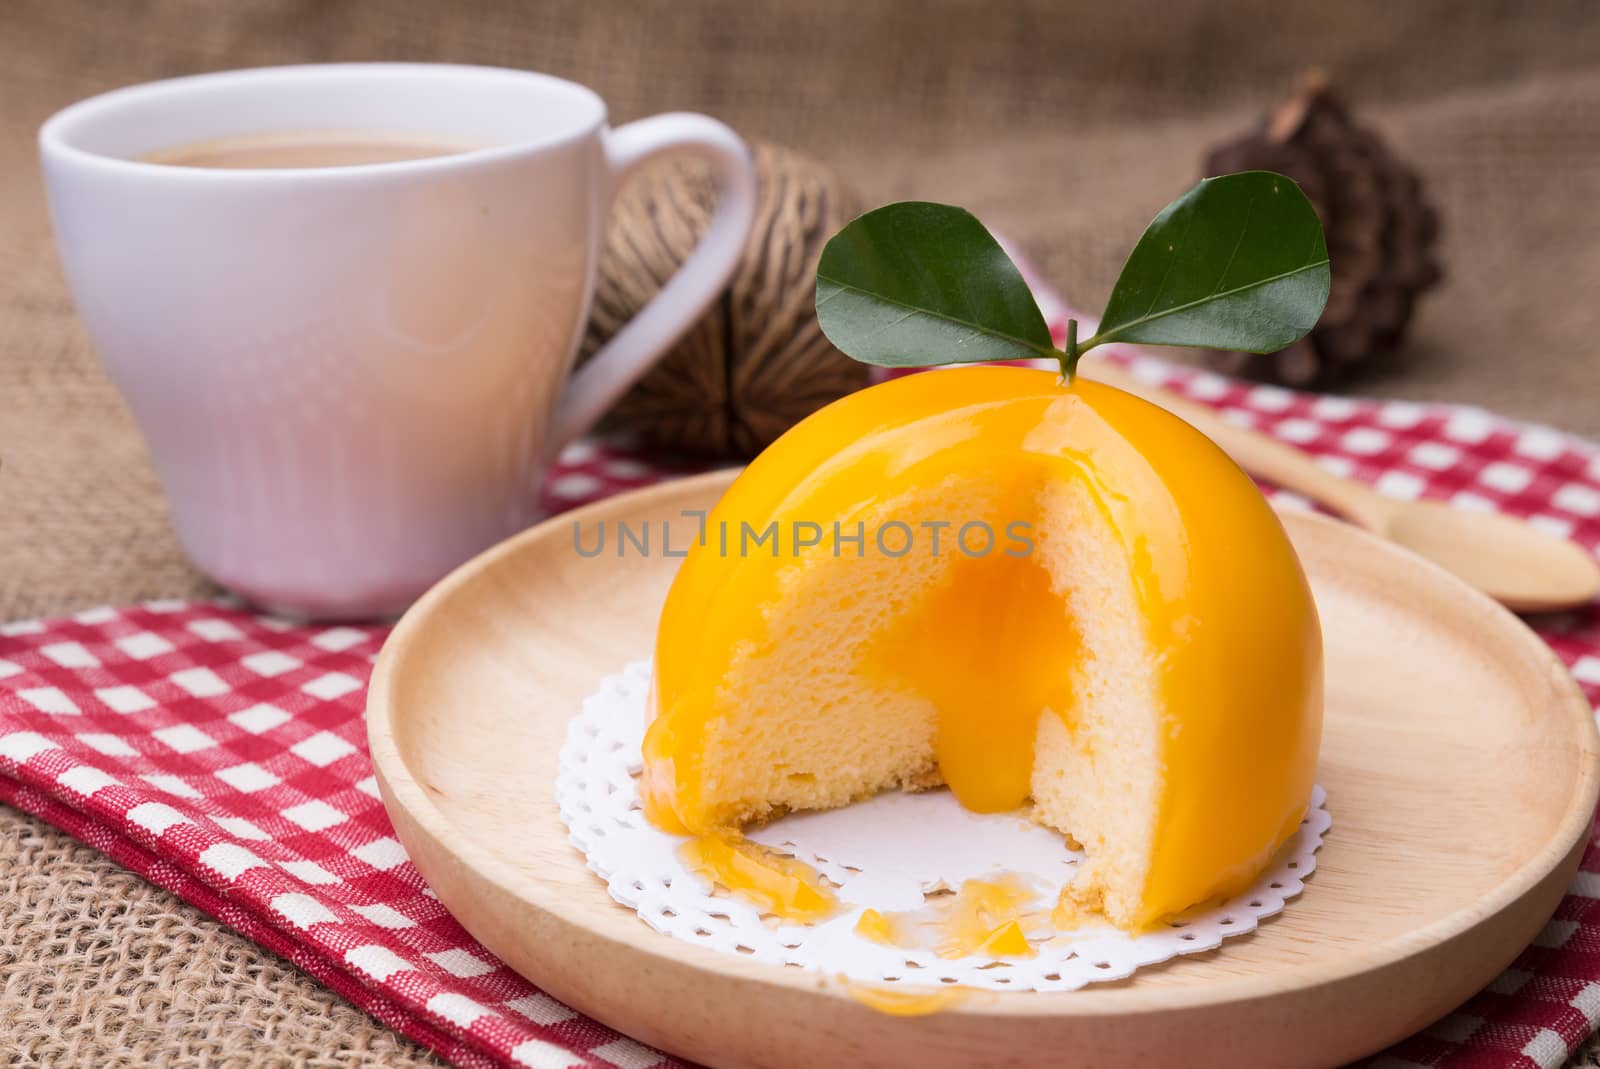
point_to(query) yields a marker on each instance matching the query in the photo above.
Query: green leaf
(1238, 262)
(914, 284)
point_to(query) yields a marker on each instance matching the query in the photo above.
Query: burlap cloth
(1065, 125)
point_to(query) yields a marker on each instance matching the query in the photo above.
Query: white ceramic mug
(351, 378)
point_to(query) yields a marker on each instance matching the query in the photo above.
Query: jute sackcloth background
(1067, 125)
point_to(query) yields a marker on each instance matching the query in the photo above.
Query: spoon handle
(1278, 463)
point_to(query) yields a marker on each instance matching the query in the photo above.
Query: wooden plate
(1459, 759)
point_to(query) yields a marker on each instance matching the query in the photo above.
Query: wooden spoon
(1522, 567)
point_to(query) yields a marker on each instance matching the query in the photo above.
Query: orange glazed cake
(1037, 594)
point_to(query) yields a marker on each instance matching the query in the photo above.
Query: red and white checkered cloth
(222, 755)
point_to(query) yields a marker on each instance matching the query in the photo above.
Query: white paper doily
(865, 851)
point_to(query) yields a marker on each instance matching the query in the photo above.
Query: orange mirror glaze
(1227, 606)
(780, 885)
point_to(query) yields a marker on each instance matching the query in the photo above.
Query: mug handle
(647, 337)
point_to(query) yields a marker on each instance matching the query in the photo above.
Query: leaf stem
(1068, 357)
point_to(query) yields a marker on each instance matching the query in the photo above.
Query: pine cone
(1382, 234)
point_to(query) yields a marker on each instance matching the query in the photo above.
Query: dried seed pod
(1382, 234)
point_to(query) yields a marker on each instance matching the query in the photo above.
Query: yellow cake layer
(1137, 652)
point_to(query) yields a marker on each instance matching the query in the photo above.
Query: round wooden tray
(1459, 760)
